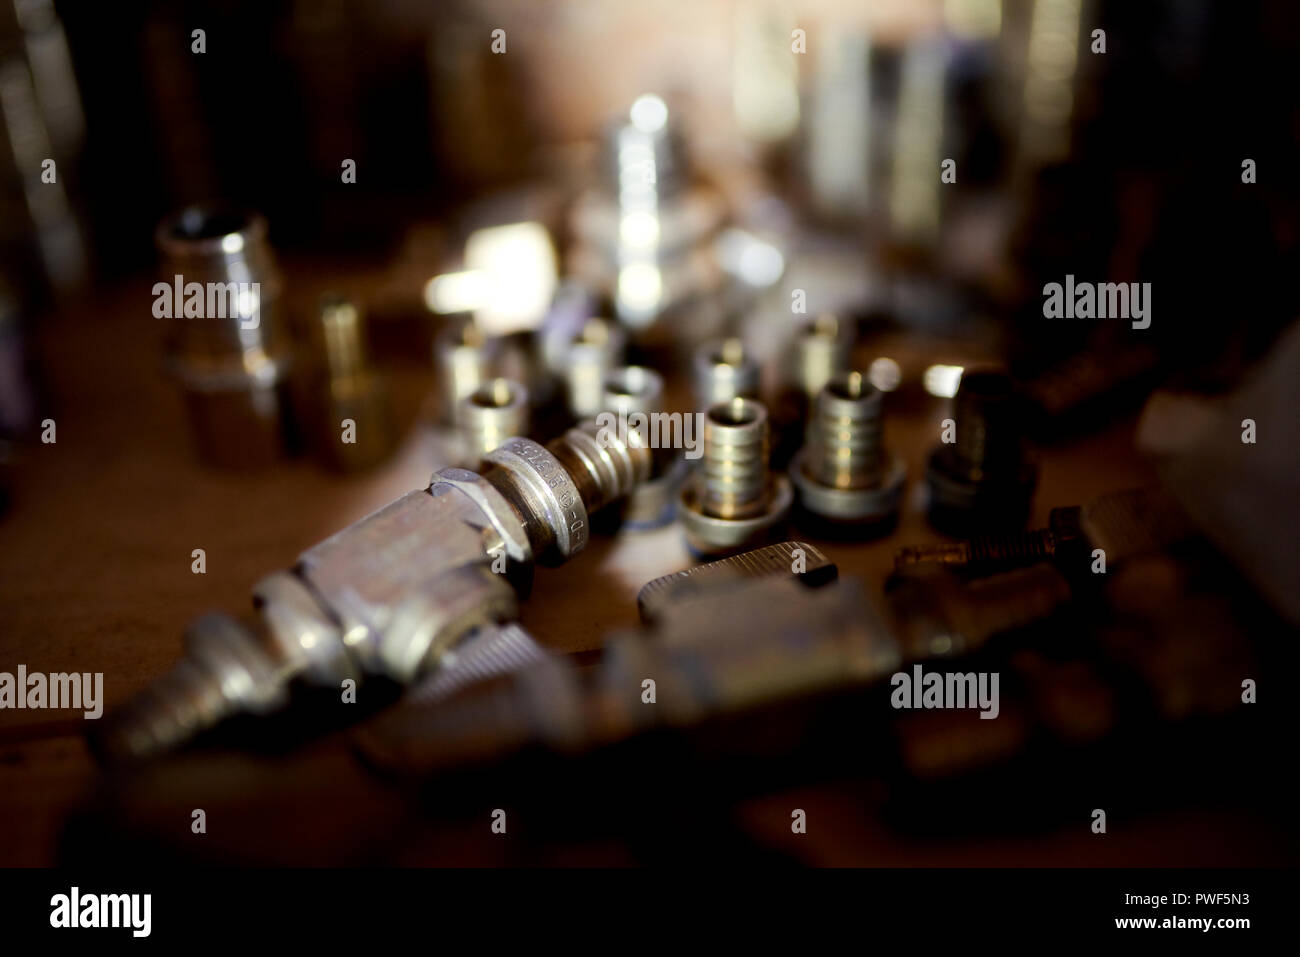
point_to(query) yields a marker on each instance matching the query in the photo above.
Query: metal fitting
(557, 486)
(232, 359)
(724, 371)
(982, 480)
(733, 501)
(492, 413)
(630, 389)
(822, 352)
(843, 473)
(645, 234)
(630, 393)
(352, 392)
(392, 593)
(463, 357)
(596, 350)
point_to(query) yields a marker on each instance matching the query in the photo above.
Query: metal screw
(724, 371)
(843, 473)
(983, 479)
(990, 554)
(733, 501)
(1122, 524)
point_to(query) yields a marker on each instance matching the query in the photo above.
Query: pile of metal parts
(424, 592)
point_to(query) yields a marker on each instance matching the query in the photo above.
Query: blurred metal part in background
(356, 428)
(722, 371)
(823, 349)
(462, 359)
(645, 235)
(508, 282)
(497, 410)
(983, 479)
(1049, 96)
(232, 360)
(637, 391)
(914, 201)
(42, 127)
(588, 358)
(17, 403)
(840, 135)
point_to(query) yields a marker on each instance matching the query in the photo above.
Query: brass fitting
(356, 428)
(732, 501)
(843, 473)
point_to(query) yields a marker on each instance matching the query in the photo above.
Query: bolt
(732, 501)
(843, 473)
(1122, 524)
(492, 413)
(724, 371)
(982, 480)
(994, 553)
